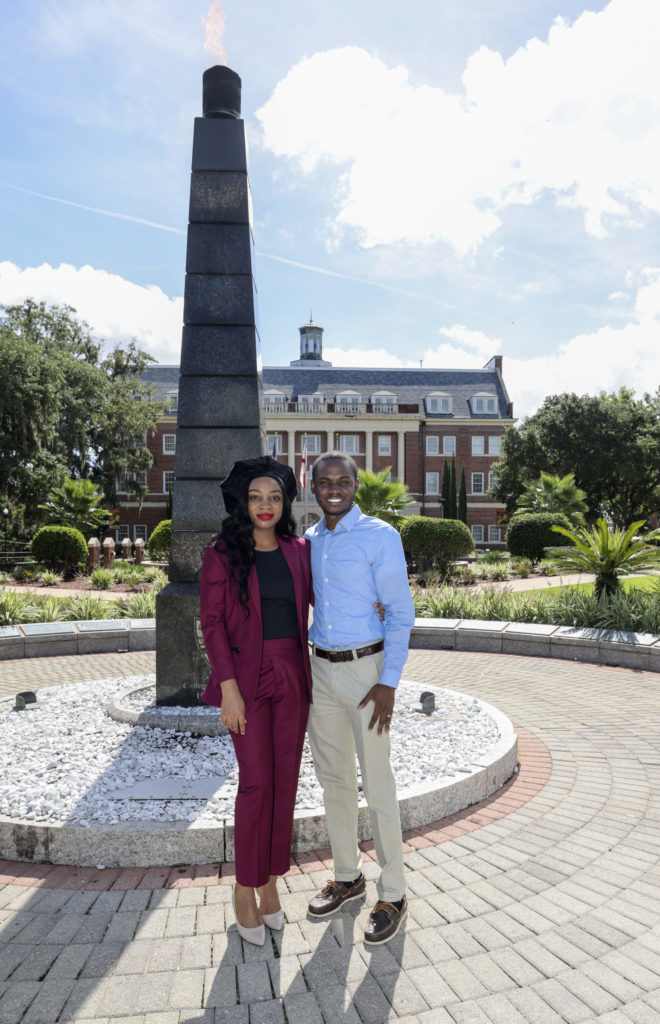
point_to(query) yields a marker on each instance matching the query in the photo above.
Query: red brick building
(408, 419)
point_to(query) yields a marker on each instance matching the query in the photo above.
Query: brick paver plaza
(541, 905)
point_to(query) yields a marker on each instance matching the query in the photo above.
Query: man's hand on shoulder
(383, 698)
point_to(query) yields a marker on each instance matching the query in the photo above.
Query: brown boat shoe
(334, 895)
(384, 921)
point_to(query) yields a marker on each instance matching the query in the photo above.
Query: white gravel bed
(63, 759)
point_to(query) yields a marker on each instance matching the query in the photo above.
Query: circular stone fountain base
(192, 839)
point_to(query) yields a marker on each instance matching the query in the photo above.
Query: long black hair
(237, 535)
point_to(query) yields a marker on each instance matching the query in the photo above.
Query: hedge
(160, 540)
(434, 543)
(59, 547)
(529, 534)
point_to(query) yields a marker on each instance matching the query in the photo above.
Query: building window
(432, 444)
(348, 399)
(477, 483)
(384, 444)
(477, 532)
(315, 399)
(168, 481)
(349, 444)
(494, 534)
(140, 532)
(477, 445)
(173, 398)
(274, 398)
(436, 403)
(485, 405)
(313, 444)
(141, 478)
(494, 445)
(276, 440)
(449, 445)
(122, 531)
(169, 444)
(432, 483)
(490, 481)
(123, 486)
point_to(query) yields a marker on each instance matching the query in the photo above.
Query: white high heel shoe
(257, 936)
(274, 921)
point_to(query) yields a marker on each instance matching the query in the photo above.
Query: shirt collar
(346, 522)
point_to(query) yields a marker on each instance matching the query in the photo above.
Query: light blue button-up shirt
(357, 563)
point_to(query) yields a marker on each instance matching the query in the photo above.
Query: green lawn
(638, 583)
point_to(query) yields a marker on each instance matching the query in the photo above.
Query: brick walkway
(540, 906)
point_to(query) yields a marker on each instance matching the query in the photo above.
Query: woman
(255, 595)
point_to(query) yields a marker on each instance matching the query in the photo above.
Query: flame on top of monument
(214, 27)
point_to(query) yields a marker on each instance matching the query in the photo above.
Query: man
(357, 662)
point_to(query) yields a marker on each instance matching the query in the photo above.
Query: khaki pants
(337, 730)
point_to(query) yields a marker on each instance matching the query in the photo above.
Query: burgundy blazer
(234, 640)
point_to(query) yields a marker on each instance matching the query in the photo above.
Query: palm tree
(607, 553)
(378, 496)
(77, 503)
(552, 493)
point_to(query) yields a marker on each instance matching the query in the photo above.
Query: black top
(278, 598)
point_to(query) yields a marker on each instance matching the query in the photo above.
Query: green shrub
(86, 606)
(49, 578)
(160, 539)
(140, 606)
(435, 542)
(530, 534)
(521, 567)
(47, 608)
(497, 573)
(548, 567)
(120, 571)
(101, 579)
(492, 557)
(15, 608)
(59, 547)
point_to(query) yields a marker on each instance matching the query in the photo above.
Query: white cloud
(605, 360)
(116, 310)
(577, 115)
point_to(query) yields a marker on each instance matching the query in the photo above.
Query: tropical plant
(86, 606)
(553, 493)
(101, 579)
(77, 503)
(380, 497)
(608, 553)
(48, 578)
(139, 606)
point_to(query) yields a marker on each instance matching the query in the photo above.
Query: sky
(437, 181)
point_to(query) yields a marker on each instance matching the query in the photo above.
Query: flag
(303, 465)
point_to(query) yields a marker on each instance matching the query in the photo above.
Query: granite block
(219, 144)
(142, 639)
(219, 249)
(228, 350)
(150, 844)
(219, 197)
(22, 841)
(210, 452)
(220, 402)
(219, 299)
(479, 635)
(12, 646)
(434, 634)
(50, 647)
(182, 667)
(529, 639)
(187, 550)
(197, 505)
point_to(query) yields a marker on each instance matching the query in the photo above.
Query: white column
(330, 440)
(369, 449)
(291, 444)
(401, 455)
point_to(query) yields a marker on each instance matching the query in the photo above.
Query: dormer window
(484, 404)
(315, 399)
(272, 397)
(383, 398)
(439, 402)
(173, 399)
(348, 398)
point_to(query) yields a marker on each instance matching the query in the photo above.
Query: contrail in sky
(94, 209)
(358, 280)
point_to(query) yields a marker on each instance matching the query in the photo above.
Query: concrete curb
(168, 844)
(96, 636)
(614, 648)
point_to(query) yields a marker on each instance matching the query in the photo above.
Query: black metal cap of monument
(219, 411)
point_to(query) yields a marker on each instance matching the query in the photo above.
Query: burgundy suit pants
(268, 756)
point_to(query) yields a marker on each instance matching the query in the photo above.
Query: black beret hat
(245, 470)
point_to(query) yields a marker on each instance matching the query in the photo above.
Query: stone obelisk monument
(219, 417)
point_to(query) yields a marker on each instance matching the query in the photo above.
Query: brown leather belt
(352, 655)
